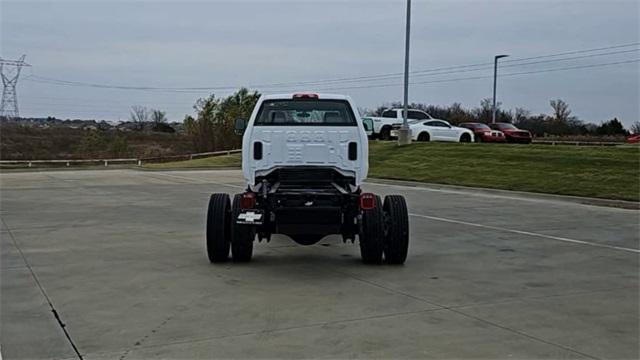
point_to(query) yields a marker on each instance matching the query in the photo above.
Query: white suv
(304, 158)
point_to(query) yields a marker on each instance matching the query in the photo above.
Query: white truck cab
(316, 130)
(304, 159)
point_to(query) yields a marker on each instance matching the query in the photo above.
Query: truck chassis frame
(307, 203)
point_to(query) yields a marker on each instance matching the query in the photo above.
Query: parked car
(512, 133)
(483, 133)
(435, 130)
(383, 125)
(633, 138)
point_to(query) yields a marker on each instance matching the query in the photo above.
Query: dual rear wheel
(223, 234)
(384, 232)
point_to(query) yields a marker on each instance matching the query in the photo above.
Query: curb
(621, 204)
(64, 168)
(142, 168)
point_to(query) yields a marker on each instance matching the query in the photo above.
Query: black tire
(385, 133)
(478, 138)
(396, 242)
(371, 237)
(424, 136)
(218, 228)
(465, 138)
(242, 236)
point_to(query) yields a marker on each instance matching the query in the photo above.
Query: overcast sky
(178, 44)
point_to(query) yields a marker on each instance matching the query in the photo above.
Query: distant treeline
(19, 142)
(211, 128)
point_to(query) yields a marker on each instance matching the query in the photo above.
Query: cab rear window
(305, 112)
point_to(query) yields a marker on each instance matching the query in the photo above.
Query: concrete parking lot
(119, 255)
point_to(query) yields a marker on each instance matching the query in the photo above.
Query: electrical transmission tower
(10, 71)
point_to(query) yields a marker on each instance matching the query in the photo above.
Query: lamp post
(495, 78)
(403, 133)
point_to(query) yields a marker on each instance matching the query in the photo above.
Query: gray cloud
(216, 43)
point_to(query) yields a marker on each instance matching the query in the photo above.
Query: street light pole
(403, 134)
(495, 80)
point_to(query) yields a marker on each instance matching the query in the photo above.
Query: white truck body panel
(290, 145)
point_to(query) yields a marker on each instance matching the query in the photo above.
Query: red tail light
(248, 200)
(367, 201)
(305, 96)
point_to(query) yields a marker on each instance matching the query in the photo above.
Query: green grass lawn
(593, 171)
(604, 172)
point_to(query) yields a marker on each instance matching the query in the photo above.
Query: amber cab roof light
(305, 96)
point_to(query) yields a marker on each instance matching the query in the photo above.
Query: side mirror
(241, 125)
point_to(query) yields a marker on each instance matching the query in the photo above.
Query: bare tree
(521, 114)
(139, 114)
(561, 110)
(158, 116)
(635, 127)
(483, 113)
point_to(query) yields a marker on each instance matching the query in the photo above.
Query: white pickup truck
(382, 125)
(304, 160)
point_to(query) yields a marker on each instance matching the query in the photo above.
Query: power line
(522, 64)
(574, 52)
(570, 58)
(421, 73)
(91, 106)
(38, 105)
(385, 76)
(438, 81)
(42, 79)
(95, 101)
(487, 76)
(391, 75)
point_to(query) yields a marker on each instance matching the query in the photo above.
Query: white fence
(107, 162)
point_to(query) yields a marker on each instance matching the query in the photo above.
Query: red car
(483, 133)
(512, 133)
(633, 139)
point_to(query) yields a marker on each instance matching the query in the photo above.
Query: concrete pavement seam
(528, 233)
(576, 293)
(141, 341)
(541, 297)
(259, 332)
(453, 309)
(382, 316)
(491, 323)
(56, 315)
